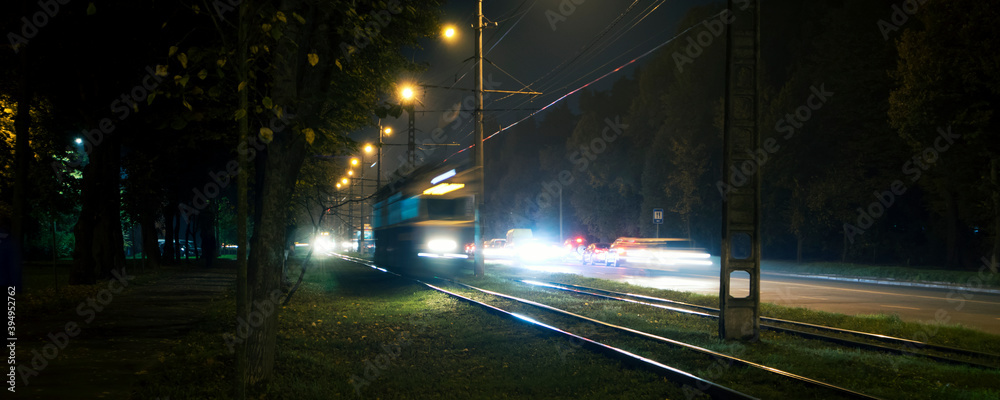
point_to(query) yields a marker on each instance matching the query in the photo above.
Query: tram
(422, 222)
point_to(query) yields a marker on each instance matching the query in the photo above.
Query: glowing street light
(344, 181)
(350, 172)
(406, 93)
(387, 131)
(449, 32)
(368, 148)
(354, 161)
(338, 185)
(79, 141)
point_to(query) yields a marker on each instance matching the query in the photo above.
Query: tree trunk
(843, 251)
(177, 237)
(206, 225)
(800, 239)
(951, 238)
(150, 244)
(996, 209)
(98, 232)
(242, 297)
(283, 158)
(22, 161)
(168, 233)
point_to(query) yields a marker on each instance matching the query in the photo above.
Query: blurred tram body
(422, 222)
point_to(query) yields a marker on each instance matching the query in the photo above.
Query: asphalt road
(979, 311)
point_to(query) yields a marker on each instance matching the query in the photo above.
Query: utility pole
(480, 266)
(480, 262)
(739, 317)
(411, 144)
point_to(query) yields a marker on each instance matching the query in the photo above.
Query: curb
(934, 285)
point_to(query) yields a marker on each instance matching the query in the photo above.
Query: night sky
(553, 46)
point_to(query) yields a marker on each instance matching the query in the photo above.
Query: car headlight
(442, 245)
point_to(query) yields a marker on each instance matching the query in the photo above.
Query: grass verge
(878, 374)
(351, 332)
(983, 276)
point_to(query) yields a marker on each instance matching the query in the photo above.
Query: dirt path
(122, 340)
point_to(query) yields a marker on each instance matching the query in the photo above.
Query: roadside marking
(905, 308)
(814, 298)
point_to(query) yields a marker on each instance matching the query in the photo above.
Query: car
(655, 253)
(183, 246)
(596, 252)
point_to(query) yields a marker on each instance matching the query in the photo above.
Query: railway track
(905, 346)
(690, 382)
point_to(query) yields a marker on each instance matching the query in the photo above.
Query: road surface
(979, 311)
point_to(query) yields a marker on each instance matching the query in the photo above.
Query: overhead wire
(609, 73)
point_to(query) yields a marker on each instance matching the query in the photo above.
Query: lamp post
(361, 241)
(378, 178)
(409, 100)
(480, 263)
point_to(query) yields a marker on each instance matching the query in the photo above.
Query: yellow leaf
(266, 134)
(221, 63)
(337, 61)
(299, 18)
(310, 137)
(188, 105)
(203, 74)
(281, 17)
(242, 85)
(183, 58)
(173, 50)
(313, 59)
(266, 27)
(161, 70)
(91, 9)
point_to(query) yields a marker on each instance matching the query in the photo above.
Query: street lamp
(387, 131)
(449, 32)
(406, 93)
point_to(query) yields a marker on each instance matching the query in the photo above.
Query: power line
(587, 84)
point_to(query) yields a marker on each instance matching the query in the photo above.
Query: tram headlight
(442, 245)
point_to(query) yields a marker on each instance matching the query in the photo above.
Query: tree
(326, 87)
(947, 82)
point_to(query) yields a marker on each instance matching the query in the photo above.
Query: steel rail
(910, 344)
(675, 343)
(690, 381)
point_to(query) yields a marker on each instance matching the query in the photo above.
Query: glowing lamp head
(350, 172)
(79, 141)
(407, 93)
(344, 181)
(368, 148)
(449, 32)
(388, 131)
(354, 161)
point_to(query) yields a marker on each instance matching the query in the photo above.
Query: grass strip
(352, 332)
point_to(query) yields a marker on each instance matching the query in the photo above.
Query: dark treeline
(123, 120)
(878, 117)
